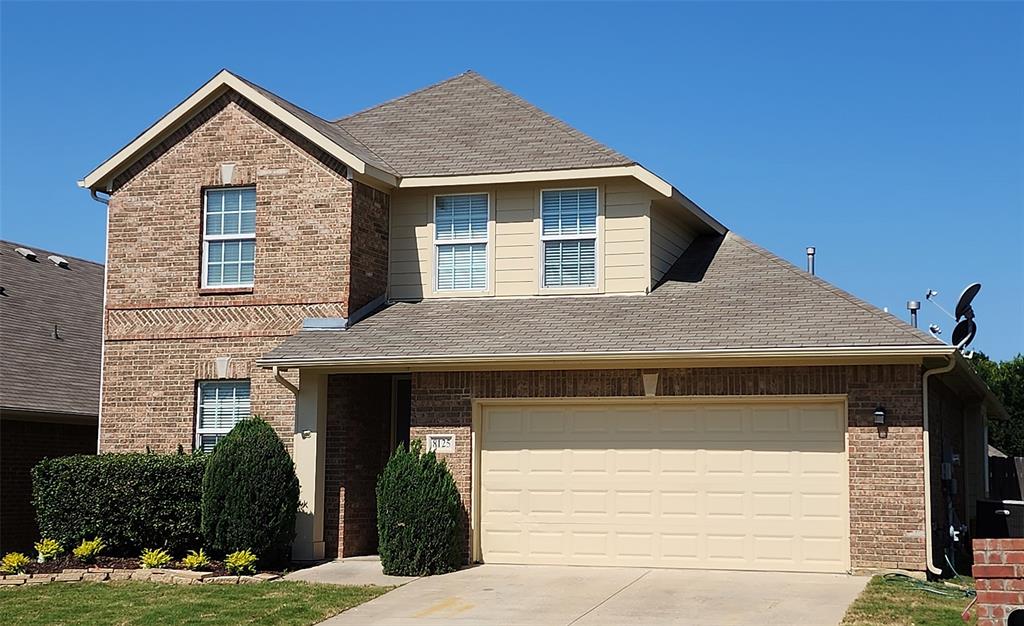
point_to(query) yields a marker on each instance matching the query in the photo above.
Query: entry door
(726, 485)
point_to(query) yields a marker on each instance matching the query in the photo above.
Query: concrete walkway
(593, 596)
(360, 570)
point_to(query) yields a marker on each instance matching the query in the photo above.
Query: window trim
(204, 264)
(197, 441)
(597, 236)
(487, 241)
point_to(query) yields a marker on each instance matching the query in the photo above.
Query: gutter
(926, 439)
(667, 357)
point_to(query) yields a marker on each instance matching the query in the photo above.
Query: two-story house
(613, 376)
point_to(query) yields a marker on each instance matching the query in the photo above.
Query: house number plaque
(442, 444)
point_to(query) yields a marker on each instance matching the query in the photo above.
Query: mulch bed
(67, 561)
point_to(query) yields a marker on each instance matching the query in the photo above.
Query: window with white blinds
(460, 240)
(569, 237)
(220, 405)
(229, 237)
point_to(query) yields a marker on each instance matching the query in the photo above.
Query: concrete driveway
(582, 596)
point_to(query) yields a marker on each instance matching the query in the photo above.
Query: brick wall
(358, 445)
(370, 220)
(163, 331)
(999, 578)
(23, 443)
(886, 474)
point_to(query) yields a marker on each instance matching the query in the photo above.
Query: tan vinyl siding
(411, 256)
(514, 249)
(670, 236)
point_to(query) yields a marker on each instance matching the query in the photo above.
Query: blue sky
(890, 136)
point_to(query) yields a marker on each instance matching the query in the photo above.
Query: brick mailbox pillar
(999, 575)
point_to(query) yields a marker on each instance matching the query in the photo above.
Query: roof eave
(992, 405)
(100, 178)
(636, 171)
(583, 360)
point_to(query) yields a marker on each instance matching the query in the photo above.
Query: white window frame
(197, 442)
(204, 270)
(476, 240)
(544, 238)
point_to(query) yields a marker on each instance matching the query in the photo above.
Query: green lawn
(900, 602)
(162, 603)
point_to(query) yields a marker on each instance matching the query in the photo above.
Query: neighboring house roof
(469, 125)
(40, 373)
(723, 294)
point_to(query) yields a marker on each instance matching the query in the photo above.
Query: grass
(140, 603)
(901, 602)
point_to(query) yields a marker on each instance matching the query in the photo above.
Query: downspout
(285, 382)
(928, 467)
(103, 313)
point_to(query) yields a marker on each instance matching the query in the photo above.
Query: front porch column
(310, 451)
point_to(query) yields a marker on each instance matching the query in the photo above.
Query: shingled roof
(41, 372)
(724, 293)
(469, 125)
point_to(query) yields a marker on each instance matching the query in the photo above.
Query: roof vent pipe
(810, 260)
(913, 306)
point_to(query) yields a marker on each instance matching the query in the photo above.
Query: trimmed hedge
(131, 501)
(251, 494)
(418, 515)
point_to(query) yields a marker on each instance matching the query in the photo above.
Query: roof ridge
(361, 143)
(8, 242)
(403, 97)
(889, 318)
(551, 120)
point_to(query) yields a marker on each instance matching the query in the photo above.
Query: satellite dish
(964, 333)
(963, 305)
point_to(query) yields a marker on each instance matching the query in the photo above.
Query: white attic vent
(25, 252)
(59, 261)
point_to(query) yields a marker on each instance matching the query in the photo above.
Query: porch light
(880, 415)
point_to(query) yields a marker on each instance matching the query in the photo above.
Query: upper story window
(460, 240)
(569, 237)
(229, 237)
(220, 405)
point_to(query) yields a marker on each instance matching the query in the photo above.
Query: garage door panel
(743, 486)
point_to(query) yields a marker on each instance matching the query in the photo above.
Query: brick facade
(886, 474)
(163, 331)
(23, 443)
(358, 446)
(999, 579)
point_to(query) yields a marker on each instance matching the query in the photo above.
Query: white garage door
(755, 486)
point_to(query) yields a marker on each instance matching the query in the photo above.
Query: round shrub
(418, 515)
(250, 493)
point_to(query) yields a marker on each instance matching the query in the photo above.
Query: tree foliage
(1006, 380)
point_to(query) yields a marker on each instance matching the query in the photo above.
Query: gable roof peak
(467, 125)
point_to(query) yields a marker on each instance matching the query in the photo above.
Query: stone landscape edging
(156, 574)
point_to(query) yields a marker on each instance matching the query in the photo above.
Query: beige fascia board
(517, 177)
(698, 212)
(212, 89)
(605, 360)
(638, 172)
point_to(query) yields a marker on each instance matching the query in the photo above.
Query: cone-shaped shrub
(250, 493)
(418, 513)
